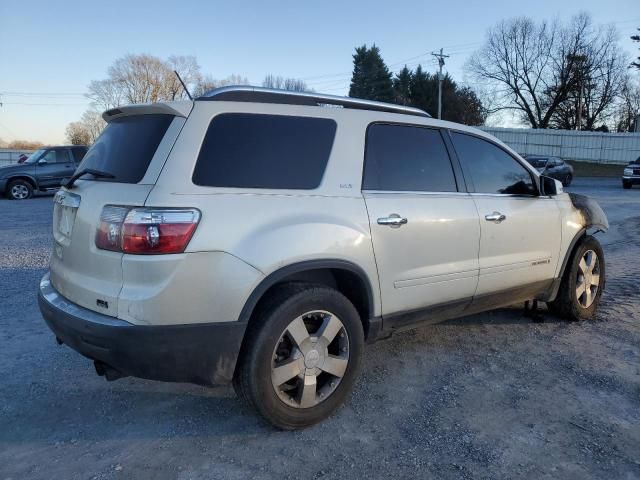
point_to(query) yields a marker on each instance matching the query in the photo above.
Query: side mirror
(42, 161)
(550, 186)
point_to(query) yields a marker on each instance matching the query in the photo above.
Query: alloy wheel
(588, 280)
(310, 359)
(19, 192)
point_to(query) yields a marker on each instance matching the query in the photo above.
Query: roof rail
(245, 93)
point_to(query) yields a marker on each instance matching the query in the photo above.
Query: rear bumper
(204, 354)
(3, 185)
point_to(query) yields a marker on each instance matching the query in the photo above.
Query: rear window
(264, 151)
(126, 146)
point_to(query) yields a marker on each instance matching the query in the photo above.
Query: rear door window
(264, 151)
(407, 158)
(78, 153)
(492, 169)
(126, 146)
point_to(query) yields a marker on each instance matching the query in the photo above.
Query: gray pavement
(490, 396)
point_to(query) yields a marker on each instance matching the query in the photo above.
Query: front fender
(590, 212)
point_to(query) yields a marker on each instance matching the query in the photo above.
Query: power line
(41, 94)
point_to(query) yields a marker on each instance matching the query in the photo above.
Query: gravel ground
(489, 396)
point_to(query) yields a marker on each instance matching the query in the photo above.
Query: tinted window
(492, 169)
(78, 154)
(56, 156)
(537, 162)
(264, 151)
(406, 158)
(126, 146)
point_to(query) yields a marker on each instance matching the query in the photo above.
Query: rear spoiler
(179, 109)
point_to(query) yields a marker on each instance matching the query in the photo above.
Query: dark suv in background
(631, 174)
(553, 167)
(42, 171)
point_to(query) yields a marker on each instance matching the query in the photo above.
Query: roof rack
(244, 93)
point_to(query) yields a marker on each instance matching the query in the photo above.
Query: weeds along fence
(592, 147)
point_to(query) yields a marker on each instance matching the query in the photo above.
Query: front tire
(626, 185)
(19, 190)
(302, 356)
(583, 282)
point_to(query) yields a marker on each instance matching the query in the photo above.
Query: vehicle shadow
(512, 315)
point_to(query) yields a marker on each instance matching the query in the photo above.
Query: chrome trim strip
(319, 98)
(413, 192)
(441, 278)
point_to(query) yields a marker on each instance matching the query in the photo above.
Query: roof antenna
(183, 86)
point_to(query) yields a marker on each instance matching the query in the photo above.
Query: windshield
(33, 158)
(125, 147)
(538, 162)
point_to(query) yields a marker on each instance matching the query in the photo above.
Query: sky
(50, 51)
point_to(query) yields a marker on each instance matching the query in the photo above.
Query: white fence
(9, 156)
(593, 147)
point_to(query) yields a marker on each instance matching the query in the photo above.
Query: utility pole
(440, 58)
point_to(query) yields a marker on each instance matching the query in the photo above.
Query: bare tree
(598, 80)
(629, 105)
(77, 134)
(105, 94)
(188, 69)
(293, 84)
(534, 68)
(209, 83)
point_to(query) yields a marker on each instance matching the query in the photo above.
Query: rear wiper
(96, 173)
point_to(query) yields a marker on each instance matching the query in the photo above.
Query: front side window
(407, 158)
(492, 170)
(243, 150)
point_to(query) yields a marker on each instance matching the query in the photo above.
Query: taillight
(146, 231)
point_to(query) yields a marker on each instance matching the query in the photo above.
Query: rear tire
(567, 180)
(626, 185)
(583, 282)
(19, 190)
(331, 339)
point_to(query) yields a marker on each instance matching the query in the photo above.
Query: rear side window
(78, 154)
(126, 146)
(492, 170)
(264, 151)
(407, 158)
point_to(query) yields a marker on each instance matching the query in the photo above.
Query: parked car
(631, 174)
(553, 167)
(260, 237)
(42, 171)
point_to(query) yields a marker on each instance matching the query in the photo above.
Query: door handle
(394, 220)
(495, 217)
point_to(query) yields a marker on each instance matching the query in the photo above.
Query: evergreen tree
(371, 78)
(402, 86)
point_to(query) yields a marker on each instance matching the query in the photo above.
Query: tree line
(547, 74)
(146, 79)
(372, 80)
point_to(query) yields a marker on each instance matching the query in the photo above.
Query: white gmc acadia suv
(261, 237)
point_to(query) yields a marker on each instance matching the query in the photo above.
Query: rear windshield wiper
(96, 173)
